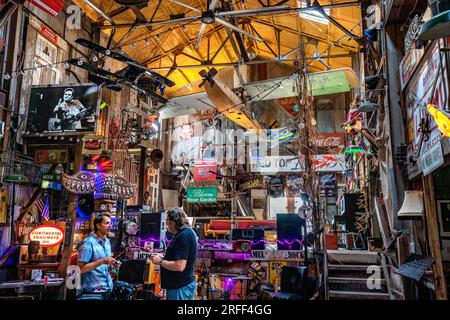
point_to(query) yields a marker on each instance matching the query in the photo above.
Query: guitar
(55, 124)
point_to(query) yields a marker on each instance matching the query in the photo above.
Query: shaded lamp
(412, 205)
(368, 107)
(437, 27)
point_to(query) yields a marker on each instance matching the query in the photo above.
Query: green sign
(328, 83)
(202, 195)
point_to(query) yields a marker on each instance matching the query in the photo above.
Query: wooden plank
(70, 225)
(433, 238)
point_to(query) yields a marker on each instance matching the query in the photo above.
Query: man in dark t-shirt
(177, 265)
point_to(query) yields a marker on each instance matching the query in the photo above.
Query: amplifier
(255, 237)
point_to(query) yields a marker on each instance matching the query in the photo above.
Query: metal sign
(432, 159)
(202, 195)
(281, 164)
(52, 7)
(47, 235)
(286, 255)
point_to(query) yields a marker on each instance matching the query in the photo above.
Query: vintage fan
(210, 16)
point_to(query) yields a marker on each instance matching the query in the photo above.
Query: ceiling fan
(210, 16)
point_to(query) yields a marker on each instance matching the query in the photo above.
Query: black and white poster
(62, 109)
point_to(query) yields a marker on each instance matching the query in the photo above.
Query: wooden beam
(71, 215)
(293, 31)
(433, 238)
(166, 53)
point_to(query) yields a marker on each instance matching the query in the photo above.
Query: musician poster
(62, 109)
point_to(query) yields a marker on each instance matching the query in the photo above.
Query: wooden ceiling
(165, 46)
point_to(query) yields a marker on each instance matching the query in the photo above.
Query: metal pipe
(98, 10)
(232, 64)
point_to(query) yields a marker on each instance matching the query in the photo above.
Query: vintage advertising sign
(253, 183)
(285, 255)
(420, 86)
(329, 142)
(282, 164)
(432, 159)
(205, 170)
(202, 195)
(93, 144)
(52, 7)
(47, 235)
(51, 156)
(49, 34)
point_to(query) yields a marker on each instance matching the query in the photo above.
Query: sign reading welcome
(47, 235)
(202, 195)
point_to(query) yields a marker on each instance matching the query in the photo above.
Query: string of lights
(13, 74)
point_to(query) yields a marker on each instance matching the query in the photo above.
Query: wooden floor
(344, 256)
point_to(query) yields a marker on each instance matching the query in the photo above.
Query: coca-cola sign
(328, 140)
(93, 145)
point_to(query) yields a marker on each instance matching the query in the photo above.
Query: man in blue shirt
(94, 259)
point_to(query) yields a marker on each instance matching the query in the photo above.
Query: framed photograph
(444, 217)
(62, 109)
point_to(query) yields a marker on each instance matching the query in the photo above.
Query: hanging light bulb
(122, 51)
(108, 52)
(7, 76)
(66, 65)
(80, 62)
(94, 58)
(49, 138)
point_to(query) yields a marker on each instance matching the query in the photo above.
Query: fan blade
(200, 35)
(185, 5)
(229, 25)
(149, 24)
(212, 5)
(255, 12)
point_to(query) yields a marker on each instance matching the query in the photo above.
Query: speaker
(293, 279)
(254, 235)
(290, 230)
(153, 226)
(156, 155)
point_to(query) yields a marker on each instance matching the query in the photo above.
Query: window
(45, 54)
(312, 15)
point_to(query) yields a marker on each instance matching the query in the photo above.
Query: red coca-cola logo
(329, 141)
(93, 145)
